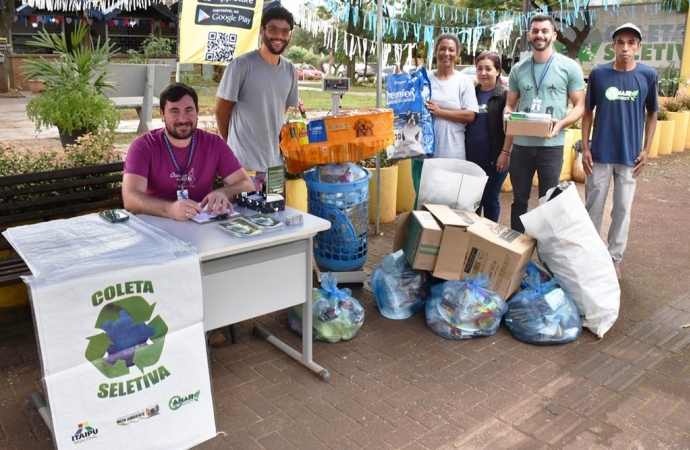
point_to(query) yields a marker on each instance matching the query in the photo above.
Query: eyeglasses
(274, 31)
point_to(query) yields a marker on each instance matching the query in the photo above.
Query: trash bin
(346, 205)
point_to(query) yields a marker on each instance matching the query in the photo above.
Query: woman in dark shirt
(485, 138)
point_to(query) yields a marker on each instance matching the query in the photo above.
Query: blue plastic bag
(336, 315)
(464, 309)
(543, 313)
(340, 173)
(400, 290)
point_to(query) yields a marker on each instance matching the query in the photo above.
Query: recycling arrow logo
(130, 337)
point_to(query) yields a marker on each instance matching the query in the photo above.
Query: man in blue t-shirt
(624, 94)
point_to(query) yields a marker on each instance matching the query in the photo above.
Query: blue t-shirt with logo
(621, 99)
(477, 146)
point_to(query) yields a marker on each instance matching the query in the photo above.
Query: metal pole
(379, 48)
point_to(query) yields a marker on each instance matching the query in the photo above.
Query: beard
(541, 44)
(269, 44)
(173, 132)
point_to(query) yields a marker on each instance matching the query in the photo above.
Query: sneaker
(618, 273)
(216, 338)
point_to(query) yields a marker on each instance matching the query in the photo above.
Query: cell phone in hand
(113, 215)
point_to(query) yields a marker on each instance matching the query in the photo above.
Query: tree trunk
(5, 23)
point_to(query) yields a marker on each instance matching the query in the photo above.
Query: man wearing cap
(624, 94)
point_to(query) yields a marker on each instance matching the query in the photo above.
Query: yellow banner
(218, 31)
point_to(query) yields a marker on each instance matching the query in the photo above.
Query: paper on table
(205, 217)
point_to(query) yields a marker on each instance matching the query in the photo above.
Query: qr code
(220, 47)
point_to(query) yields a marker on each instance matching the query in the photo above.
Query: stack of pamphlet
(528, 117)
(251, 225)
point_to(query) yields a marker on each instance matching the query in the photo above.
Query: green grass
(313, 100)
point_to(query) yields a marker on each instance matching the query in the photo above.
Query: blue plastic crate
(346, 205)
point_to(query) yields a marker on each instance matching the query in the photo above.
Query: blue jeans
(490, 202)
(524, 161)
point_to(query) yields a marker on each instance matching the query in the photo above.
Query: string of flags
(120, 22)
(103, 5)
(473, 24)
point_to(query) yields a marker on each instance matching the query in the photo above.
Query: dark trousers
(524, 161)
(490, 199)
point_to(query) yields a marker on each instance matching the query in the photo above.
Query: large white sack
(570, 245)
(453, 182)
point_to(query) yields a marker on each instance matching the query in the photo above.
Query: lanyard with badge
(536, 103)
(182, 193)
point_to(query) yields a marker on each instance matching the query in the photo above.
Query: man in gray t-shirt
(256, 90)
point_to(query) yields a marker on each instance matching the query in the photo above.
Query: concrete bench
(138, 86)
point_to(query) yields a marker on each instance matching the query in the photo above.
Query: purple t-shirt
(148, 156)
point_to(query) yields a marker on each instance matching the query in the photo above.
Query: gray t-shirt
(261, 93)
(563, 77)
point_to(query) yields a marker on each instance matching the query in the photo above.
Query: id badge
(182, 194)
(536, 105)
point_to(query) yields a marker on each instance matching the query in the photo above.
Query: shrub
(673, 105)
(662, 114)
(151, 47)
(91, 149)
(370, 163)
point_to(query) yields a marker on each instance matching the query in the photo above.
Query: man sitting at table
(170, 172)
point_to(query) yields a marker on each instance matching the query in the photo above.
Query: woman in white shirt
(453, 104)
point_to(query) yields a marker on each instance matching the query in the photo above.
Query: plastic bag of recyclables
(400, 290)
(570, 246)
(340, 173)
(542, 313)
(464, 309)
(336, 315)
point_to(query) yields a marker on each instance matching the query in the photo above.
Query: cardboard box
(501, 253)
(454, 242)
(526, 128)
(419, 236)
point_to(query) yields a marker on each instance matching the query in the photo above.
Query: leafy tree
(296, 54)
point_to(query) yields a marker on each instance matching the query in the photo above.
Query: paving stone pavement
(398, 385)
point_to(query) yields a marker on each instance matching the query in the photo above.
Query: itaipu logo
(178, 402)
(84, 433)
(613, 94)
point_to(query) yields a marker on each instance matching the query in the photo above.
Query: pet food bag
(570, 246)
(349, 136)
(407, 94)
(336, 315)
(400, 290)
(543, 313)
(453, 182)
(464, 309)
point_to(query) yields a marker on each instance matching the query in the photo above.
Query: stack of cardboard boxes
(456, 244)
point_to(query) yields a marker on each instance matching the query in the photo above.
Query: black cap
(628, 27)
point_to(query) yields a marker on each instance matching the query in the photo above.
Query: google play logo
(201, 16)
